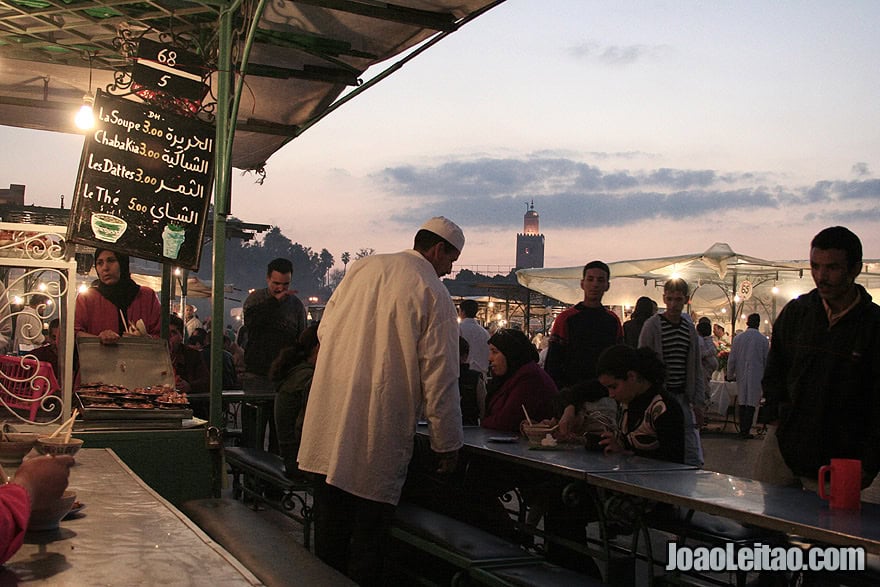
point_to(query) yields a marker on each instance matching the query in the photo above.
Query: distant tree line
(313, 272)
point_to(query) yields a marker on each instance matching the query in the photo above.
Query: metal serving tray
(133, 362)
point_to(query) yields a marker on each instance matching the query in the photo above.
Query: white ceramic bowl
(57, 446)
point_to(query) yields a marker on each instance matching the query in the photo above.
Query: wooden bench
(471, 552)
(262, 543)
(257, 474)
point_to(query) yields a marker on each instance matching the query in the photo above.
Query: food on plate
(172, 399)
(137, 405)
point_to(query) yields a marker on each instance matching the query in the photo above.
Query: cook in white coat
(389, 353)
(746, 363)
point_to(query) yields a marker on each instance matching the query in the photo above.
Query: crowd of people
(376, 378)
(392, 349)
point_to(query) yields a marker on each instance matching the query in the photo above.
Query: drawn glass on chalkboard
(172, 238)
(107, 227)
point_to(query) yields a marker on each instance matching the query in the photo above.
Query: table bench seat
(473, 552)
(268, 550)
(259, 475)
(712, 530)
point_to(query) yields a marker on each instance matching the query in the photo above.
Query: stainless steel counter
(126, 534)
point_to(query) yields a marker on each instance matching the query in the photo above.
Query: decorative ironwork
(39, 246)
(29, 389)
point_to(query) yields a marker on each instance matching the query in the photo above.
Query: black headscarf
(517, 350)
(123, 292)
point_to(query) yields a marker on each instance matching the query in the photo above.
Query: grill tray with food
(130, 384)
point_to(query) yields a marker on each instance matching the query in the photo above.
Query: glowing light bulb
(85, 118)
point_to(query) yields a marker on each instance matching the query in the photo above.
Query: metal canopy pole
(228, 100)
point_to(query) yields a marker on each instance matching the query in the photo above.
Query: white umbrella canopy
(715, 276)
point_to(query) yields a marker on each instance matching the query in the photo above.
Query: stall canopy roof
(713, 276)
(305, 55)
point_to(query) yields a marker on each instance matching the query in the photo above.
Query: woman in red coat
(517, 381)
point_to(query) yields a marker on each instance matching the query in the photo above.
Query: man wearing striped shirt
(673, 337)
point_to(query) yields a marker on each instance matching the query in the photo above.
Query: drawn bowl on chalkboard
(108, 227)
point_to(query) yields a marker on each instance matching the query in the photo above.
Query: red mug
(846, 484)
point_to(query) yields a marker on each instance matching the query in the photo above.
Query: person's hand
(182, 384)
(699, 416)
(44, 478)
(109, 337)
(281, 295)
(570, 423)
(447, 461)
(611, 444)
(137, 329)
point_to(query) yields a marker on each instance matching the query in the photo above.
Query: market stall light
(17, 300)
(85, 118)
(83, 288)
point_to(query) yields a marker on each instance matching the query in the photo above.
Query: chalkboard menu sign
(144, 183)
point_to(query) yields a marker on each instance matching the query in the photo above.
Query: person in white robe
(748, 358)
(389, 354)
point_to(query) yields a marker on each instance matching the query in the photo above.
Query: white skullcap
(447, 229)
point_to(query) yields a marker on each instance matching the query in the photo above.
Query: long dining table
(790, 510)
(569, 460)
(125, 534)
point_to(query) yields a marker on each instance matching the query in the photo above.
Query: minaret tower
(530, 243)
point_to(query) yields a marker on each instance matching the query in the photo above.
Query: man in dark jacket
(822, 381)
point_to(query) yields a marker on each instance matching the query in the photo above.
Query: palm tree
(326, 265)
(346, 257)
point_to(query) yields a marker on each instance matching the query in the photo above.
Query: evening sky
(639, 129)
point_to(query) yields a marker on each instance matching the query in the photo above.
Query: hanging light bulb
(85, 118)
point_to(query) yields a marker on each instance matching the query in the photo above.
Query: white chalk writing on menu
(144, 182)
